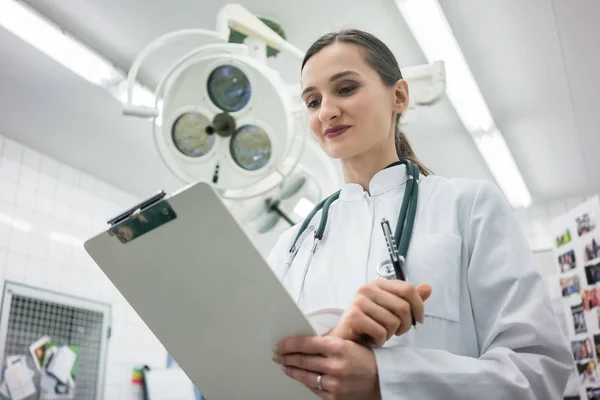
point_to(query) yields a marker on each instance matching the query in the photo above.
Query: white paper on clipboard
(208, 295)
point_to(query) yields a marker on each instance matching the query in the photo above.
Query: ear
(401, 99)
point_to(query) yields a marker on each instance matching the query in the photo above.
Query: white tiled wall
(46, 210)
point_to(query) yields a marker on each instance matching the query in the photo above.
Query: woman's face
(341, 91)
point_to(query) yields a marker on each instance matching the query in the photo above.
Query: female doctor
(485, 328)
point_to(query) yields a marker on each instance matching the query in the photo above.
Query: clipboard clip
(141, 218)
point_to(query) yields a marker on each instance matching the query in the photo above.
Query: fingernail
(274, 358)
(284, 369)
(275, 349)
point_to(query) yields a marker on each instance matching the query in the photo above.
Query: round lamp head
(227, 119)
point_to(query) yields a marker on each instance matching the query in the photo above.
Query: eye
(312, 104)
(347, 89)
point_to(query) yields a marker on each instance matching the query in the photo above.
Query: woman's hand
(348, 370)
(380, 310)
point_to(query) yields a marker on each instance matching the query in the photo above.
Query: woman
(485, 325)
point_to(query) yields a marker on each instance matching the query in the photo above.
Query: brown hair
(382, 60)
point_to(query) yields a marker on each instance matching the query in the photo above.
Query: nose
(328, 110)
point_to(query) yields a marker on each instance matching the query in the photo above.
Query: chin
(340, 151)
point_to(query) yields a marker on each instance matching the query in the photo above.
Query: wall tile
(12, 150)
(9, 169)
(31, 159)
(46, 210)
(8, 190)
(28, 177)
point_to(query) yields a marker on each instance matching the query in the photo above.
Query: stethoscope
(402, 234)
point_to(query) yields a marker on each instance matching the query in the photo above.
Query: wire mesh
(31, 318)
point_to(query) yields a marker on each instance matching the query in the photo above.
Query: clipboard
(191, 273)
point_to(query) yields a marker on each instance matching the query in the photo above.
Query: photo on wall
(597, 344)
(587, 373)
(563, 238)
(570, 285)
(578, 319)
(590, 298)
(582, 349)
(567, 261)
(591, 250)
(593, 393)
(585, 224)
(592, 274)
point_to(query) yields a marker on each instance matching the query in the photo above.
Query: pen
(397, 259)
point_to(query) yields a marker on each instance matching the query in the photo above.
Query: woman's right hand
(380, 310)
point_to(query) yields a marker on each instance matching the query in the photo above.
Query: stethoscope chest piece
(385, 270)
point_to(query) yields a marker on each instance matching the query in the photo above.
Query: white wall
(535, 220)
(46, 210)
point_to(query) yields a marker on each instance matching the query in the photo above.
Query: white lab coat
(489, 329)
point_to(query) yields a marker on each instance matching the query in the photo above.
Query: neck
(362, 168)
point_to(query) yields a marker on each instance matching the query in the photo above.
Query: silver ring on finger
(319, 382)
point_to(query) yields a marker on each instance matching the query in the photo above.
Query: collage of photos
(587, 367)
(576, 255)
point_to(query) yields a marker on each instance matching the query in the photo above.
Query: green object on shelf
(238, 37)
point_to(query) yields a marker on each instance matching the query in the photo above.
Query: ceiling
(534, 62)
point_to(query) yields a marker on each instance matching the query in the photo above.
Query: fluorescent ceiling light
(431, 30)
(428, 24)
(49, 39)
(494, 149)
(303, 207)
(68, 51)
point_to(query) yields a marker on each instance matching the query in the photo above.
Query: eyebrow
(332, 79)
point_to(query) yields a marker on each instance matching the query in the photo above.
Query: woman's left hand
(348, 370)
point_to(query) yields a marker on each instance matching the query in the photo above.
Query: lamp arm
(237, 17)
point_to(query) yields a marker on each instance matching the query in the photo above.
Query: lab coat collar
(383, 181)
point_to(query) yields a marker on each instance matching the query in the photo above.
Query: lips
(337, 130)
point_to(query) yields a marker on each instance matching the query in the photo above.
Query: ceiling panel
(515, 54)
(579, 34)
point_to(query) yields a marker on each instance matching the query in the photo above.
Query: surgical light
(250, 147)
(229, 88)
(190, 137)
(227, 117)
